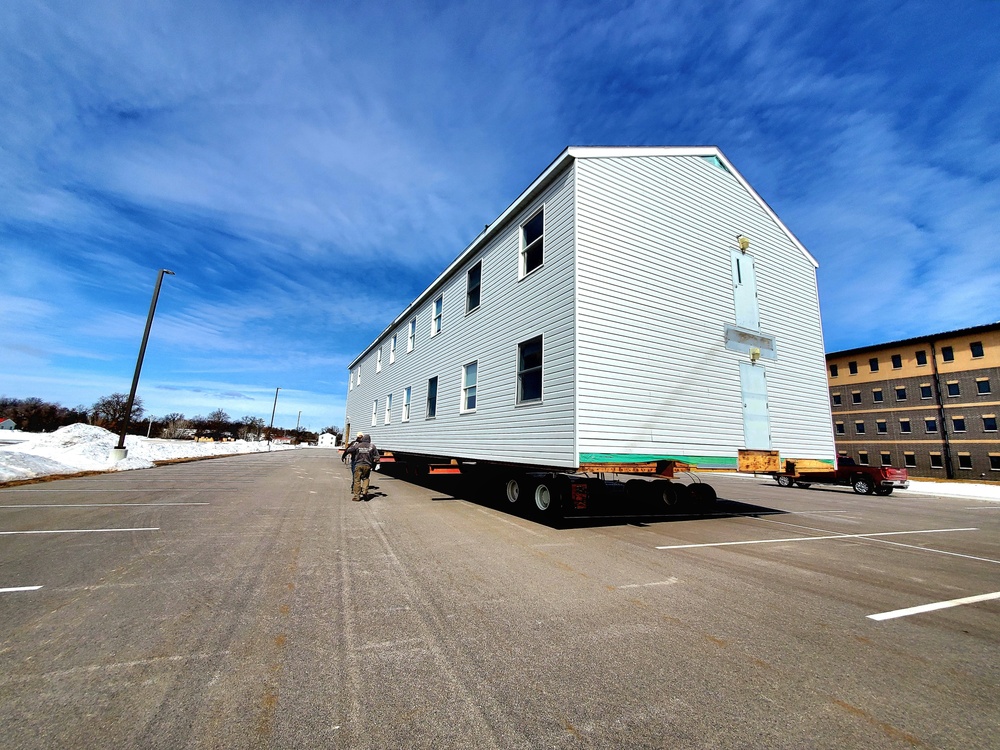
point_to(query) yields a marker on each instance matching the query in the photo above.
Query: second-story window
(921, 357)
(532, 243)
(473, 286)
(897, 361)
(432, 398)
(947, 354)
(470, 378)
(392, 349)
(411, 334)
(977, 349)
(378, 360)
(852, 367)
(437, 316)
(873, 364)
(406, 404)
(529, 370)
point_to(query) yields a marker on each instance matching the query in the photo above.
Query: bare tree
(249, 428)
(109, 411)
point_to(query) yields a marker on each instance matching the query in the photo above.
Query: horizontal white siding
(655, 293)
(511, 311)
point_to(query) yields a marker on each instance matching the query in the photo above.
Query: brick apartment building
(929, 404)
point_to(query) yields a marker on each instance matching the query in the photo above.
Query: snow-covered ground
(84, 447)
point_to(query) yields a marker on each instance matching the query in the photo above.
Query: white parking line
(811, 538)
(75, 531)
(19, 588)
(97, 505)
(936, 605)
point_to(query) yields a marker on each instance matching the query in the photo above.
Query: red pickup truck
(865, 480)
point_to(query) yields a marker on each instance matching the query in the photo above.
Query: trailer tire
(863, 485)
(784, 480)
(546, 497)
(665, 494)
(515, 490)
(685, 498)
(637, 493)
(704, 494)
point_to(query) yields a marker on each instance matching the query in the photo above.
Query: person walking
(364, 456)
(357, 438)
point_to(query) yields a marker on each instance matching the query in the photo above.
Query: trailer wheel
(703, 494)
(863, 485)
(514, 488)
(784, 480)
(546, 497)
(665, 494)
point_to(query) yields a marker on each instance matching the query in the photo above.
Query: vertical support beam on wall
(949, 468)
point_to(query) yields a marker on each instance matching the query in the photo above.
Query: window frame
(958, 423)
(407, 395)
(374, 412)
(953, 385)
(392, 349)
(986, 424)
(836, 399)
(980, 382)
(378, 360)
(859, 427)
(947, 354)
(388, 409)
(523, 372)
(873, 364)
(905, 426)
(430, 403)
(975, 346)
(920, 357)
(852, 368)
(469, 390)
(863, 458)
(930, 425)
(855, 397)
(900, 389)
(881, 427)
(897, 361)
(536, 244)
(936, 460)
(470, 289)
(968, 460)
(834, 370)
(877, 396)
(437, 315)
(930, 391)
(909, 460)
(838, 428)
(411, 334)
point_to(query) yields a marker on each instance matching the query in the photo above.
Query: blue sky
(307, 168)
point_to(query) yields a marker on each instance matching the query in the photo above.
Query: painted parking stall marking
(76, 531)
(934, 606)
(812, 538)
(14, 589)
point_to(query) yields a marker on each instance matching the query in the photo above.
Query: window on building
(470, 377)
(388, 409)
(958, 424)
(855, 397)
(841, 455)
(885, 458)
(953, 389)
(881, 426)
(392, 349)
(432, 398)
(406, 404)
(374, 412)
(358, 380)
(839, 426)
(930, 424)
(897, 361)
(965, 460)
(921, 357)
(833, 371)
(529, 370)
(836, 399)
(977, 349)
(904, 426)
(936, 461)
(947, 354)
(877, 396)
(925, 390)
(378, 361)
(350, 383)
(863, 458)
(982, 386)
(910, 460)
(532, 242)
(989, 423)
(900, 393)
(995, 462)
(473, 284)
(852, 367)
(411, 335)
(873, 364)
(859, 427)
(437, 316)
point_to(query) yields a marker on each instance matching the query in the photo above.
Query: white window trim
(411, 334)
(378, 360)
(392, 349)
(407, 394)
(374, 412)
(464, 389)
(437, 318)
(479, 304)
(388, 409)
(523, 248)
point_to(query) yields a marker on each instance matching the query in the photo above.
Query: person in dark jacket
(357, 438)
(364, 455)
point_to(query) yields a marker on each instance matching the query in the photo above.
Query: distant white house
(327, 440)
(8, 424)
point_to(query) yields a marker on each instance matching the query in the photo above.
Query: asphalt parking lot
(247, 602)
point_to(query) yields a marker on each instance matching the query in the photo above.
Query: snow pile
(84, 447)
